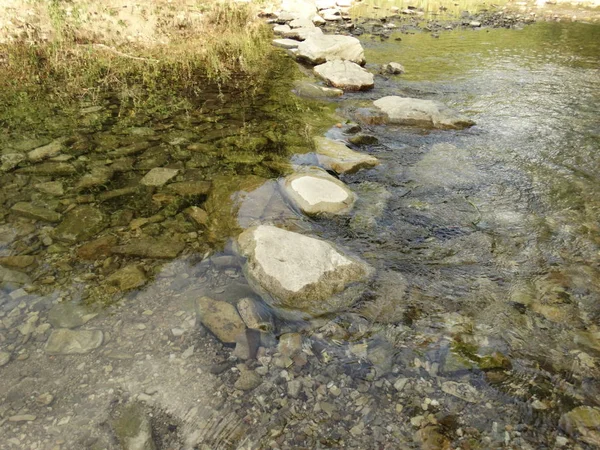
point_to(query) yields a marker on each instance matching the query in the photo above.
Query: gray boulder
(318, 49)
(300, 273)
(334, 155)
(345, 75)
(317, 192)
(424, 113)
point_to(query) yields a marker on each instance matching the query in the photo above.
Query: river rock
(133, 428)
(158, 176)
(336, 156)
(98, 176)
(13, 276)
(317, 192)
(299, 272)
(70, 342)
(255, 314)
(129, 277)
(190, 187)
(463, 391)
(35, 212)
(50, 168)
(54, 188)
(583, 423)
(424, 113)
(197, 215)
(80, 224)
(345, 75)
(301, 22)
(19, 262)
(46, 151)
(307, 89)
(10, 161)
(393, 68)
(147, 247)
(97, 248)
(285, 43)
(302, 34)
(4, 358)
(248, 380)
(69, 315)
(221, 318)
(319, 49)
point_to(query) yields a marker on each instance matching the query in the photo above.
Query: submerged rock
(35, 212)
(147, 247)
(425, 113)
(307, 89)
(583, 423)
(133, 428)
(10, 161)
(69, 315)
(221, 318)
(81, 224)
(317, 192)
(372, 201)
(254, 314)
(158, 176)
(129, 277)
(69, 342)
(345, 75)
(463, 391)
(301, 273)
(336, 156)
(46, 151)
(50, 168)
(318, 49)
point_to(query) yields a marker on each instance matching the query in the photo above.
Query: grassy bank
(161, 56)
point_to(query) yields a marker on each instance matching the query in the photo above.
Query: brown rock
(97, 248)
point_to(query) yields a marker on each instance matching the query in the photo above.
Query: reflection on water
(480, 329)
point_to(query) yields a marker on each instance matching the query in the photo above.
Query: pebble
(4, 358)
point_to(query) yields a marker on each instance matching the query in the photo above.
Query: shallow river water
(480, 329)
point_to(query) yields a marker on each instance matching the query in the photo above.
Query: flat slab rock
(425, 113)
(336, 156)
(345, 75)
(73, 342)
(317, 192)
(285, 43)
(301, 273)
(221, 318)
(307, 89)
(319, 49)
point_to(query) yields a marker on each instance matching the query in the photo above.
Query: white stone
(318, 20)
(299, 272)
(281, 29)
(318, 49)
(302, 34)
(317, 192)
(301, 23)
(393, 68)
(334, 155)
(426, 113)
(158, 176)
(345, 75)
(325, 4)
(285, 43)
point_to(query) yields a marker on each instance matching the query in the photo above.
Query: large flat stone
(73, 342)
(345, 75)
(80, 224)
(302, 34)
(35, 212)
(317, 192)
(318, 49)
(424, 113)
(301, 273)
(334, 155)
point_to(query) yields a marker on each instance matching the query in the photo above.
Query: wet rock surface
(336, 156)
(345, 75)
(318, 49)
(301, 273)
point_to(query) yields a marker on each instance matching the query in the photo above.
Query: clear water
(486, 244)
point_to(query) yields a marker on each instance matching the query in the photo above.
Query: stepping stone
(318, 49)
(301, 23)
(302, 34)
(317, 192)
(424, 113)
(300, 273)
(286, 43)
(345, 75)
(334, 155)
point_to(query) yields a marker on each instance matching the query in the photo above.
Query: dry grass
(156, 50)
